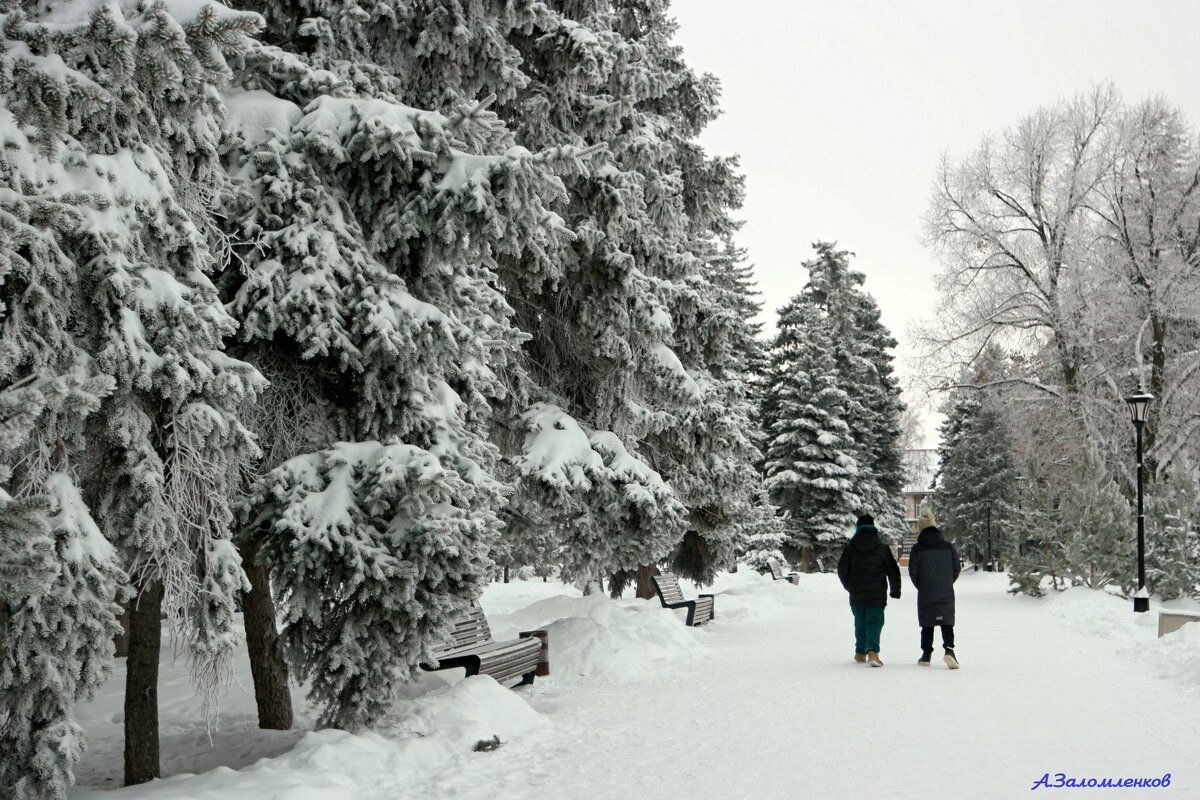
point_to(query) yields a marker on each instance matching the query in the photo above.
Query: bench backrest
(776, 570)
(1171, 621)
(668, 588)
(471, 628)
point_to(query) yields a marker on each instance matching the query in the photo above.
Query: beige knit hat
(926, 520)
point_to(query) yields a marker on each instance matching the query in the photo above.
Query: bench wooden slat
(666, 586)
(469, 645)
(778, 574)
(526, 661)
(483, 648)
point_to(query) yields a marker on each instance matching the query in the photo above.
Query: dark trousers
(927, 638)
(868, 625)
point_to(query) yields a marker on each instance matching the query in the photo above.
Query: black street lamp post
(1139, 402)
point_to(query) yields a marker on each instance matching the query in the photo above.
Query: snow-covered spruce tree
(765, 537)
(654, 214)
(601, 316)
(59, 580)
(862, 354)
(588, 486)
(811, 469)
(368, 235)
(977, 478)
(707, 455)
(636, 338)
(760, 534)
(113, 110)
(831, 341)
(882, 437)
(733, 278)
(1173, 534)
(1093, 540)
(434, 54)
(375, 548)
(596, 319)
(57, 631)
(1078, 533)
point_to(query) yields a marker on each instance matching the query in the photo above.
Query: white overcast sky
(841, 109)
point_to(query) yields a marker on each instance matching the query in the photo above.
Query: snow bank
(596, 638)
(1176, 656)
(422, 738)
(748, 596)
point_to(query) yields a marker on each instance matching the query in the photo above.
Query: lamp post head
(1139, 403)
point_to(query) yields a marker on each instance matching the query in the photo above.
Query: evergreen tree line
(320, 312)
(1071, 252)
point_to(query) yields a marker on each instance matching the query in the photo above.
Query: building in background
(920, 475)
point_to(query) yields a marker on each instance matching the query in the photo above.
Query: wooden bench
(777, 573)
(1171, 621)
(699, 611)
(471, 647)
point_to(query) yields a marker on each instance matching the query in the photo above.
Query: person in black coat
(866, 569)
(933, 565)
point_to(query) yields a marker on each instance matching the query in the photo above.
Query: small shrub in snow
(487, 745)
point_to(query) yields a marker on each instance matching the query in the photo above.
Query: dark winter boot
(950, 660)
(924, 659)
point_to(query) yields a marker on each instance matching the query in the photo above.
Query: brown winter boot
(873, 660)
(860, 658)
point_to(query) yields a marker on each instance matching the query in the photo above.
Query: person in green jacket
(866, 569)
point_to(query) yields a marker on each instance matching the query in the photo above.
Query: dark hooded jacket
(933, 566)
(866, 568)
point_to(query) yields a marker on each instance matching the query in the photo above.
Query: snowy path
(779, 710)
(765, 703)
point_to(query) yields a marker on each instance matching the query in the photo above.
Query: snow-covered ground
(765, 702)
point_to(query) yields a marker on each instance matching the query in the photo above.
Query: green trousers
(868, 624)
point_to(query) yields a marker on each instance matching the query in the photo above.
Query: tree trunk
(506, 573)
(141, 686)
(121, 640)
(591, 586)
(645, 586)
(262, 641)
(806, 559)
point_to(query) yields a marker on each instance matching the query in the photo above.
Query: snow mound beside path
(1175, 656)
(596, 638)
(747, 596)
(424, 737)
